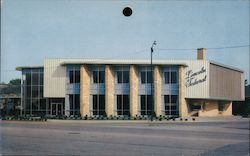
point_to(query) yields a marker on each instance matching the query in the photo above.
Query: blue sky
(32, 30)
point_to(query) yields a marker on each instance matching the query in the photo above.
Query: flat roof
(109, 61)
(20, 68)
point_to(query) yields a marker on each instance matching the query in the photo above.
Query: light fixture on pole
(152, 80)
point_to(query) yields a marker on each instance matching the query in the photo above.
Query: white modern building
(81, 87)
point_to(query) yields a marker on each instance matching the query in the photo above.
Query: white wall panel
(197, 79)
(54, 78)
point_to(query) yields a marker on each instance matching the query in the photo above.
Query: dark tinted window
(28, 79)
(95, 76)
(101, 76)
(71, 76)
(143, 77)
(77, 76)
(119, 76)
(35, 78)
(149, 77)
(173, 77)
(166, 76)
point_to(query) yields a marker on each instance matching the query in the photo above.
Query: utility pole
(152, 80)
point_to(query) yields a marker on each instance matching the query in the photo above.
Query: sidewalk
(178, 120)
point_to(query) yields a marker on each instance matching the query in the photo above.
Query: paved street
(95, 138)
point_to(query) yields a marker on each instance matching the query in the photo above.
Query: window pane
(95, 102)
(71, 76)
(35, 78)
(77, 76)
(41, 92)
(71, 102)
(119, 76)
(28, 91)
(34, 104)
(41, 78)
(95, 77)
(149, 102)
(77, 101)
(102, 102)
(125, 102)
(149, 77)
(166, 76)
(28, 79)
(174, 99)
(166, 99)
(43, 104)
(101, 76)
(143, 102)
(27, 104)
(173, 77)
(143, 77)
(35, 91)
(167, 107)
(125, 76)
(173, 108)
(119, 102)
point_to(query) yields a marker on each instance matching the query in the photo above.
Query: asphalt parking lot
(124, 138)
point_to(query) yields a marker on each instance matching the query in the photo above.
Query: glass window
(174, 99)
(71, 76)
(143, 77)
(119, 77)
(119, 102)
(125, 76)
(173, 77)
(166, 76)
(27, 104)
(35, 91)
(95, 102)
(43, 104)
(35, 78)
(28, 91)
(170, 104)
(101, 76)
(149, 77)
(95, 76)
(146, 104)
(122, 105)
(28, 79)
(41, 78)
(166, 99)
(98, 105)
(146, 77)
(35, 104)
(122, 76)
(77, 76)
(74, 100)
(98, 76)
(41, 92)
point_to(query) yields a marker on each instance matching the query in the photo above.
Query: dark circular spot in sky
(127, 11)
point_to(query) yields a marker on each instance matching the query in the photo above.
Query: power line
(181, 49)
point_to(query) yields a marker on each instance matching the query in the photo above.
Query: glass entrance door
(56, 109)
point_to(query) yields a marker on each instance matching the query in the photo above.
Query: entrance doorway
(56, 109)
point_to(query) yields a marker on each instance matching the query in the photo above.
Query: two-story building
(123, 87)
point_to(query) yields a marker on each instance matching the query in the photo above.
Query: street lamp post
(152, 79)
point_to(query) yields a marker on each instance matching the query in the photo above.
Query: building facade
(80, 87)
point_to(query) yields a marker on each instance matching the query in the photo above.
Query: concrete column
(109, 90)
(133, 80)
(183, 107)
(157, 90)
(85, 90)
(227, 109)
(67, 107)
